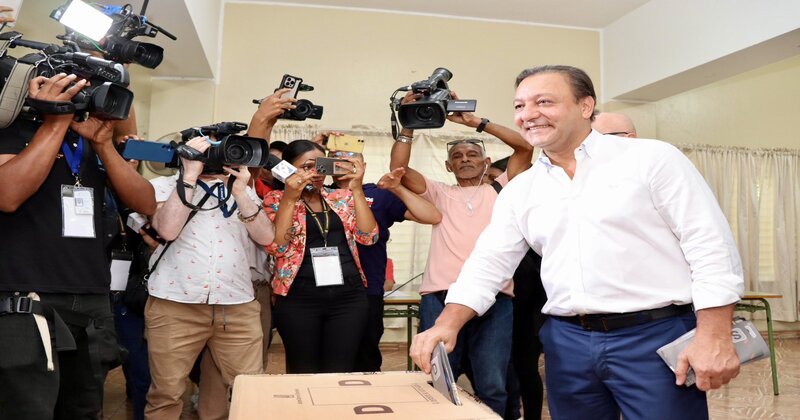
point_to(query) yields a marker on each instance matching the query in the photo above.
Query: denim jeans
(484, 344)
(130, 333)
(600, 375)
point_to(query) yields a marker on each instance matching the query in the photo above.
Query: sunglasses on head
(453, 143)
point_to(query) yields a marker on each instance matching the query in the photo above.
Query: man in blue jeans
(466, 209)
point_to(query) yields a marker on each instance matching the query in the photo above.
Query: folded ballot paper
(442, 374)
(750, 346)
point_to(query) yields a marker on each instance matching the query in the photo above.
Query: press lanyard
(323, 231)
(74, 159)
(220, 196)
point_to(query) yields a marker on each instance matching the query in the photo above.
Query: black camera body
(118, 44)
(230, 149)
(106, 96)
(431, 110)
(305, 109)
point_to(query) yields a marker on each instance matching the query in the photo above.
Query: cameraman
(201, 292)
(53, 185)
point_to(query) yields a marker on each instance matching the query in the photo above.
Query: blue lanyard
(74, 159)
(220, 195)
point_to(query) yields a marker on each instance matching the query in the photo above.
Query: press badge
(120, 267)
(327, 268)
(77, 209)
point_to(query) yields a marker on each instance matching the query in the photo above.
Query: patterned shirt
(211, 259)
(290, 255)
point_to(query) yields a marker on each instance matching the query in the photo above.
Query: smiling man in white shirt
(635, 251)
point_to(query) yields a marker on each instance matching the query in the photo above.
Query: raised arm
(365, 220)
(170, 217)
(419, 210)
(22, 174)
(258, 226)
(401, 154)
(265, 117)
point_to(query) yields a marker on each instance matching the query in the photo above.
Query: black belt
(609, 322)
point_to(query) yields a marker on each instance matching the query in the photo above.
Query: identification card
(120, 268)
(327, 267)
(77, 208)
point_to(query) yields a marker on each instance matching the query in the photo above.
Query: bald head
(613, 123)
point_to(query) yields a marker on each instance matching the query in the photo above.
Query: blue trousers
(484, 344)
(600, 375)
(130, 334)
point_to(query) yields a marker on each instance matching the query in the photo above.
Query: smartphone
(148, 150)
(292, 83)
(330, 166)
(345, 143)
(15, 5)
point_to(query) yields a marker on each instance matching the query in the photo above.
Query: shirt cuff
(706, 295)
(477, 300)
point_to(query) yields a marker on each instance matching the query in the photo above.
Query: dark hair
(278, 145)
(292, 151)
(579, 81)
(501, 164)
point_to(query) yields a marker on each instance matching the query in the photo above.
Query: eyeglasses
(309, 165)
(454, 143)
(617, 133)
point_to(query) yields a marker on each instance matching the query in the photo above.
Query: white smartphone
(14, 4)
(291, 82)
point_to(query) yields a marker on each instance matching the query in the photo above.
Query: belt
(609, 322)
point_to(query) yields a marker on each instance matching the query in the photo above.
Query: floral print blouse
(290, 255)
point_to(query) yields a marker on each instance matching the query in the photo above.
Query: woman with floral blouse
(321, 302)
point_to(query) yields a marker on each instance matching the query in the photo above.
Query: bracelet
(248, 219)
(404, 139)
(189, 186)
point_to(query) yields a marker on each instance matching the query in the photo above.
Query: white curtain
(759, 192)
(409, 242)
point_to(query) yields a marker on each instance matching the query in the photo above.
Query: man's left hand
(98, 131)
(713, 359)
(464, 118)
(242, 176)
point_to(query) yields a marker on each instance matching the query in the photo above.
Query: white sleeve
(498, 252)
(686, 203)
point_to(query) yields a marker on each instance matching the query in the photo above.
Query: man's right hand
(273, 106)
(423, 344)
(55, 89)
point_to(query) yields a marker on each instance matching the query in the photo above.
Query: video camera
(431, 110)
(229, 149)
(110, 30)
(106, 96)
(303, 107)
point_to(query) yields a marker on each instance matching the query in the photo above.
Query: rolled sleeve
(688, 206)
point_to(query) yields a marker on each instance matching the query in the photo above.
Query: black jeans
(73, 390)
(369, 357)
(321, 327)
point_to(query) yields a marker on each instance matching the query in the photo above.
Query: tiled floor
(748, 396)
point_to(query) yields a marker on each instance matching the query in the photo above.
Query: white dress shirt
(210, 260)
(636, 228)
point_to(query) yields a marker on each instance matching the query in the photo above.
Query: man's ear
(448, 166)
(587, 107)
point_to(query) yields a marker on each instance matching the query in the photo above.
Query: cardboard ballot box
(334, 396)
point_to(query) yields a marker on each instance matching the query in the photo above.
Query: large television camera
(106, 96)
(229, 149)
(431, 110)
(110, 30)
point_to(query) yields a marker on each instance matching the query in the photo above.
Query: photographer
(466, 209)
(55, 272)
(200, 291)
(321, 298)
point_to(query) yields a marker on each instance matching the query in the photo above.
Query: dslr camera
(230, 149)
(431, 110)
(304, 108)
(110, 30)
(107, 95)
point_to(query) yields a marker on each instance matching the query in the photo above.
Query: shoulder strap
(497, 187)
(164, 251)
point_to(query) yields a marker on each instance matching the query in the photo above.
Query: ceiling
(592, 14)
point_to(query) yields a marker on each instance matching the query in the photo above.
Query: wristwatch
(482, 125)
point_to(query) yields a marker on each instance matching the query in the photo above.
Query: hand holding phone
(334, 167)
(345, 143)
(292, 83)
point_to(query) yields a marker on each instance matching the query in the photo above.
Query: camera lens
(425, 113)
(236, 153)
(303, 109)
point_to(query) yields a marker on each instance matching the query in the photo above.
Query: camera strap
(181, 189)
(51, 107)
(15, 90)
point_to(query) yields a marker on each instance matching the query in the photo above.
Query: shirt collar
(586, 149)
